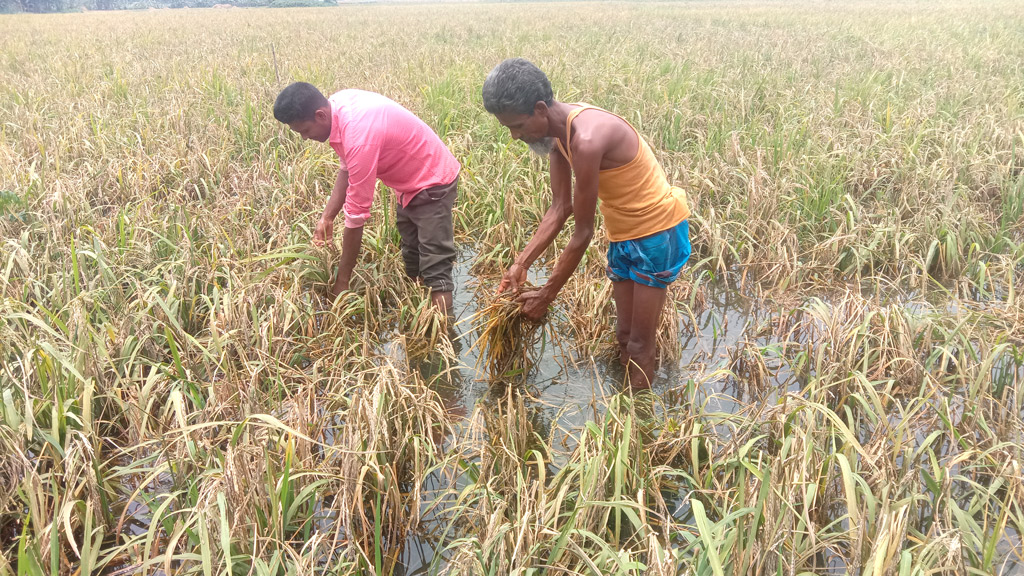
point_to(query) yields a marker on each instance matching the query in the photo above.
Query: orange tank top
(635, 199)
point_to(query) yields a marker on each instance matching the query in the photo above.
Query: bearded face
(543, 147)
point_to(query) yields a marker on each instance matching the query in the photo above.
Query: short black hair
(515, 86)
(298, 102)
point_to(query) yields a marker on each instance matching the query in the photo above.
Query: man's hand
(513, 279)
(324, 232)
(535, 304)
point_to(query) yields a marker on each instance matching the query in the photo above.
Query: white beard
(544, 146)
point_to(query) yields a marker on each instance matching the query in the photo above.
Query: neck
(558, 115)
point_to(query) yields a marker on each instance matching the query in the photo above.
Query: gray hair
(515, 86)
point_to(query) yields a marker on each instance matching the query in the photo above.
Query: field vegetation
(842, 386)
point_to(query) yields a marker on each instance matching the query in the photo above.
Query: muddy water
(565, 388)
(562, 392)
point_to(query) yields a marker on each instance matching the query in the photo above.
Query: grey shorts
(428, 237)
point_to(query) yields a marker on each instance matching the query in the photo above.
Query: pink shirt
(375, 138)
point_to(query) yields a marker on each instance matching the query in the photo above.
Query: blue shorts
(653, 260)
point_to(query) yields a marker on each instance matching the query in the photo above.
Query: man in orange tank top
(645, 217)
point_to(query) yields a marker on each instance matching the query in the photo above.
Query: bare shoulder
(600, 133)
(595, 130)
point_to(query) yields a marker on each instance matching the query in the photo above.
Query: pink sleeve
(362, 181)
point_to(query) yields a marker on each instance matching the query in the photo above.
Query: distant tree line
(11, 6)
(38, 5)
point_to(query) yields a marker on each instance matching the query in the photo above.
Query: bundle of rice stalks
(506, 338)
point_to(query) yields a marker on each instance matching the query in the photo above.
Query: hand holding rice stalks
(506, 337)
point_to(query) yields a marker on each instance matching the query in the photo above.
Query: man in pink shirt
(376, 138)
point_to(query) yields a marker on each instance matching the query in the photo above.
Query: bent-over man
(376, 138)
(645, 217)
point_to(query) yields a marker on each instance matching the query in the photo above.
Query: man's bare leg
(442, 301)
(622, 292)
(641, 347)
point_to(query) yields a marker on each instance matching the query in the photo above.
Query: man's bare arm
(325, 226)
(550, 225)
(587, 158)
(351, 242)
(584, 208)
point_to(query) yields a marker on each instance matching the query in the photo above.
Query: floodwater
(562, 392)
(565, 388)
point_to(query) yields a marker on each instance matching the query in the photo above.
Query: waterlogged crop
(842, 362)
